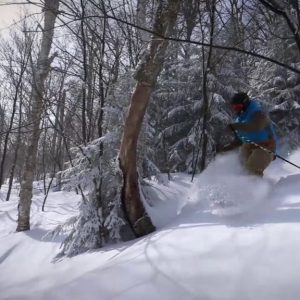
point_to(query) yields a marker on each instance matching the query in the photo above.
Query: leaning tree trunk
(146, 77)
(40, 75)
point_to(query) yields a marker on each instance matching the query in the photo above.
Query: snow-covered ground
(223, 236)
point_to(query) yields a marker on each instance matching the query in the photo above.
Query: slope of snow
(198, 252)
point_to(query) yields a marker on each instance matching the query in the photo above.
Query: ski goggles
(237, 106)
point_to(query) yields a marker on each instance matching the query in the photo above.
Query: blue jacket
(257, 136)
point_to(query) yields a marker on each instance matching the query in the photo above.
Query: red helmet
(239, 101)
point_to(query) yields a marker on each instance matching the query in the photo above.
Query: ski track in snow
(198, 252)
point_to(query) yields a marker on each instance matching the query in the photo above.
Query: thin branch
(227, 48)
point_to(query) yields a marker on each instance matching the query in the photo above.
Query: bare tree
(211, 5)
(23, 65)
(40, 74)
(146, 77)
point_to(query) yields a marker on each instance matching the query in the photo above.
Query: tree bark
(17, 146)
(206, 69)
(146, 77)
(141, 9)
(40, 75)
(59, 149)
(85, 74)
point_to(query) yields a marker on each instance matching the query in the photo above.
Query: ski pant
(255, 159)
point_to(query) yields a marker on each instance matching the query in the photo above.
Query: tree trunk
(17, 146)
(141, 11)
(146, 77)
(85, 74)
(90, 92)
(40, 74)
(206, 69)
(60, 150)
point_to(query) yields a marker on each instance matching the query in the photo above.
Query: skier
(254, 132)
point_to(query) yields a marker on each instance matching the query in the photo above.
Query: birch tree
(39, 76)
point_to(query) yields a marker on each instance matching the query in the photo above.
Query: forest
(99, 97)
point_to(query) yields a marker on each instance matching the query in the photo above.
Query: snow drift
(196, 253)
